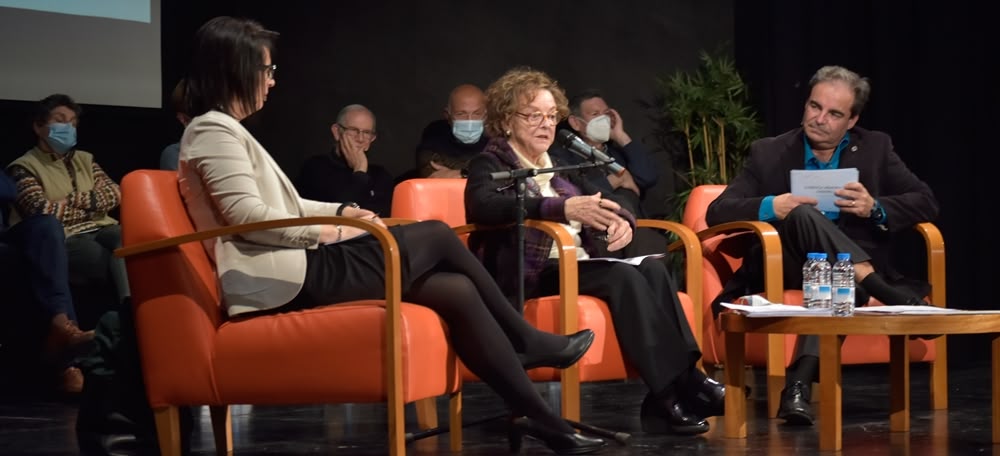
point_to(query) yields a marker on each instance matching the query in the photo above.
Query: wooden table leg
(830, 393)
(735, 419)
(995, 380)
(899, 383)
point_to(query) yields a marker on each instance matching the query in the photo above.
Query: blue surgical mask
(62, 137)
(467, 131)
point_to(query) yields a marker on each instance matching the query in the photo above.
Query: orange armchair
(362, 351)
(722, 252)
(443, 199)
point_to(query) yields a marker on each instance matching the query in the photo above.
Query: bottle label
(843, 295)
(824, 293)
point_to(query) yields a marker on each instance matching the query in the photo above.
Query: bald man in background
(447, 144)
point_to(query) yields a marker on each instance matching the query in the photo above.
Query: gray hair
(351, 108)
(862, 88)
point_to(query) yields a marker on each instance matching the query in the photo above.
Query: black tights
(443, 275)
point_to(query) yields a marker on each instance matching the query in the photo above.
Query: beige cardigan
(227, 178)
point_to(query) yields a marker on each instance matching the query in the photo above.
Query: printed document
(821, 183)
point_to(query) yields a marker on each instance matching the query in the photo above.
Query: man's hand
(855, 199)
(592, 211)
(354, 154)
(618, 134)
(441, 171)
(619, 234)
(625, 180)
(784, 203)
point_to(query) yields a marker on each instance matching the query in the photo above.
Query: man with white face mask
(447, 144)
(603, 128)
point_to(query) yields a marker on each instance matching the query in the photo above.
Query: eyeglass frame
(553, 117)
(357, 132)
(269, 70)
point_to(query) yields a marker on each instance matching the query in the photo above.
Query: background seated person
(603, 128)
(344, 174)
(447, 144)
(57, 179)
(34, 250)
(168, 158)
(524, 106)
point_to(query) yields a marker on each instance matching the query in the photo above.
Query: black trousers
(42, 246)
(652, 330)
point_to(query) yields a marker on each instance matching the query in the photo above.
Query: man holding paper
(880, 197)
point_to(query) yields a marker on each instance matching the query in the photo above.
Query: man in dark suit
(887, 199)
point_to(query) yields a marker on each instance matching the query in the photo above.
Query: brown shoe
(65, 334)
(71, 381)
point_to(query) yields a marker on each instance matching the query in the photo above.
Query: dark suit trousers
(652, 330)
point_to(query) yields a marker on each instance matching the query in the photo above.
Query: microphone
(578, 146)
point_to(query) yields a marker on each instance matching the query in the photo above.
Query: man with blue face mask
(54, 178)
(448, 144)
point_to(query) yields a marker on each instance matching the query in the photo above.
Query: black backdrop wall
(929, 68)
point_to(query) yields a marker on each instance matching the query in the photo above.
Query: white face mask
(599, 129)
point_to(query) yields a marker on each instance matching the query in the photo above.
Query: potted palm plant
(706, 123)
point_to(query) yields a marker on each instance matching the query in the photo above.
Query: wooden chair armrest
(689, 244)
(934, 243)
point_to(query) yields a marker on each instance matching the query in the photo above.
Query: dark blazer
(906, 199)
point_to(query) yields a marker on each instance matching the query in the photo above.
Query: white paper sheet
(634, 261)
(821, 183)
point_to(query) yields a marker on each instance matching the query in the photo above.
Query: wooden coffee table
(897, 327)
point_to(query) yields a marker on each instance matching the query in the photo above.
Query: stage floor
(34, 424)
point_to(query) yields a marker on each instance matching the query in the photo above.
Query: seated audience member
(344, 174)
(227, 178)
(447, 144)
(168, 158)
(888, 198)
(524, 106)
(603, 128)
(57, 179)
(38, 247)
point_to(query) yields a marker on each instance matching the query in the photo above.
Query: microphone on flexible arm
(578, 146)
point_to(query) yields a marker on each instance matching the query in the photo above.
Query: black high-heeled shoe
(559, 442)
(666, 416)
(578, 345)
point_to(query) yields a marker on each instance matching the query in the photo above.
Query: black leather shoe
(578, 344)
(704, 396)
(795, 407)
(559, 442)
(667, 416)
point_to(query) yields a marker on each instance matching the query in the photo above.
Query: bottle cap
(843, 256)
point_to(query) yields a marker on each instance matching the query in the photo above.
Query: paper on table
(634, 261)
(821, 183)
(777, 310)
(918, 310)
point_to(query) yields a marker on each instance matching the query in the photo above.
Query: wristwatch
(340, 210)
(877, 213)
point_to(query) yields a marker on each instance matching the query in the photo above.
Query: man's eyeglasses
(364, 135)
(535, 119)
(269, 70)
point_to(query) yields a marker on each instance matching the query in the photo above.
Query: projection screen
(103, 52)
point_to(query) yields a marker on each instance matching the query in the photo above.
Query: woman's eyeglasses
(269, 70)
(535, 119)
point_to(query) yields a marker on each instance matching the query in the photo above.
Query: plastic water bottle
(843, 286)
(809, 284)
(824, 289)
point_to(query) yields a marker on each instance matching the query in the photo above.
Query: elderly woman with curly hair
(523, 108)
